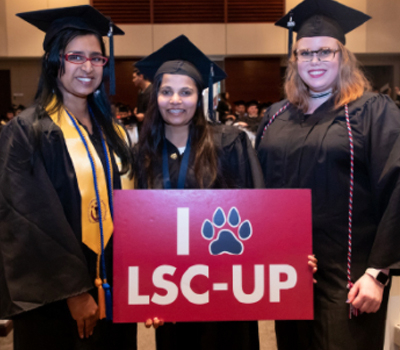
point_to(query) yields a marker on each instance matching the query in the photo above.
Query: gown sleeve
(383, 154)
(240, 166)
(41, 260)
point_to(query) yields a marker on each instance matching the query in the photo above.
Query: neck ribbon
(183, 168)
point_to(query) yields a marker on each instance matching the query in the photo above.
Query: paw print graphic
(225, 241)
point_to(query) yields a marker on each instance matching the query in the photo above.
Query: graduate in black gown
(333, 136)
(180, 149)
(58, 160)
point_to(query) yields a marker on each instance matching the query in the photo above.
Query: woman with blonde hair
(333, 136)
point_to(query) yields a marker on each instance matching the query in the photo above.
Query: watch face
(382, 278)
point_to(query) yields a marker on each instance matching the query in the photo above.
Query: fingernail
(347, 301)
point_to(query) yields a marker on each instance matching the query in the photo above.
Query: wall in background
(24, 79)
(19, 39)
(253, 79)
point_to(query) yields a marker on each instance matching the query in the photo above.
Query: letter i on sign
(183, 231)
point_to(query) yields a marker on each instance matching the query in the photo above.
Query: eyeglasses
(76, 58)
(323, 55)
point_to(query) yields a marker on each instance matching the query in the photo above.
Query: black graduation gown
(299, 151)
(42, 258)
(239, 168)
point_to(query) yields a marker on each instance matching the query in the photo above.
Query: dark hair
(223, 97)
(151, 143)
(52, 67)
(137, 71)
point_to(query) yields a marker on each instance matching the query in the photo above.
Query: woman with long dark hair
(220, 156)
(59, 163)
(334, 136)
(179, 148)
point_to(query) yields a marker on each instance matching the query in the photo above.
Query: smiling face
(317, 75)
(252, 111)
(80, 80)
(177, 100)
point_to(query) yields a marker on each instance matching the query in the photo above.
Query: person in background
(224, 109)
(240, 109)
(144, 84)
(6, 118)
(252, 109)
(129, 120)
(263, 108)
(334, 137)
(249, 123)
(19, 109)
(59, 163)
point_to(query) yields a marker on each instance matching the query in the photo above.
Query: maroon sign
(202, 255)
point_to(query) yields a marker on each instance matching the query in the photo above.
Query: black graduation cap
(181, 49)
(322, 18)
(86, 17)
(181, 56)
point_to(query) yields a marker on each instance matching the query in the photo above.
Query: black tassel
(290, 26)
(112, 62)
(210, 94)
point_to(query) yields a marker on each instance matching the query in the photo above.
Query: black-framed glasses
(323, 55)
(77, 58)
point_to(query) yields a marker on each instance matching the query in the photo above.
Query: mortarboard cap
(181, 56)
(84, 17)
(180, 49)
(322, 18)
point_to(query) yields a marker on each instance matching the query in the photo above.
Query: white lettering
(160, 282)
(237, 285)
(195, 298)
(275, 283)
(220, 286)
(183, 231)
(133, 290)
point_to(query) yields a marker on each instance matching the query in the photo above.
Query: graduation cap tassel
(107, 290)
(290, 26)
(211, 94)
(112, 63)
(101, 298)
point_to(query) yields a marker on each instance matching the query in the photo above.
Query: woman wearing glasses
(59, 162)
(333, 136)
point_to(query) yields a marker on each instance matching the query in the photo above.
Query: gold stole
(91, 235)
(83, 170)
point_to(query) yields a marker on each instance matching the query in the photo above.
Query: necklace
(320, 94)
